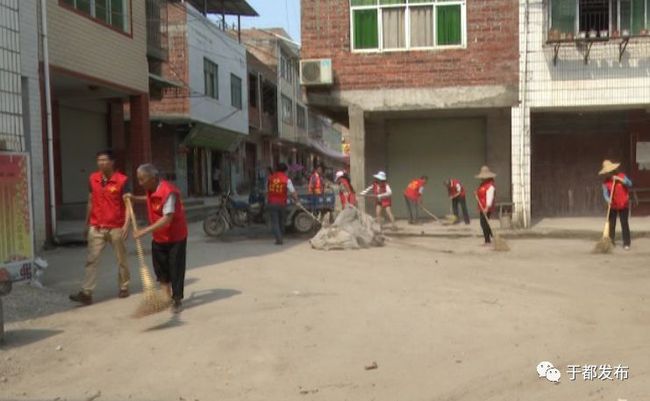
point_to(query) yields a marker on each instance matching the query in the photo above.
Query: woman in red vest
(169, 229)
(413, 197)
(346, 191)
(456, 193)
(107, 223)
(620, 185)
(486, 195)
(382, 192)
(279, 188)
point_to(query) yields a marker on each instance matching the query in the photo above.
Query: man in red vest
(279, 188)
(346, 191)
(413, 197)
(169, 229)
(456, 193)
(315, 188)
(106, 223)
(618, 183)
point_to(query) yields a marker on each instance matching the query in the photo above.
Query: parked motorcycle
(233, 213)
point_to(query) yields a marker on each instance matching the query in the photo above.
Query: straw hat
(338, 175)
(485, 173)
(608, 167)
(381, 176)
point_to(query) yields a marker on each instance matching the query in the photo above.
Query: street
(442, 318)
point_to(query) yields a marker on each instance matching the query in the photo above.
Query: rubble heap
(352, 229)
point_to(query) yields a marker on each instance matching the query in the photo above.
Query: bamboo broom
(500, 244)
(605, 244)
(155, 300)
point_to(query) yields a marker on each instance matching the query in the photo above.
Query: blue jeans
(278, 216)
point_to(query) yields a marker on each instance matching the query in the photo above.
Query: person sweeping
(346, 191)
(279, 189)
(413, 197)
(456, 193)
(616, 191)
(485, 195)
(168, 226)
(381, 191)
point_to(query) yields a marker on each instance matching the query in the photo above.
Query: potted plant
(593, 34)
(582, 35)
(604, 33)
(625, 33)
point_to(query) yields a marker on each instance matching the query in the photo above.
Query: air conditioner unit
(316, 72)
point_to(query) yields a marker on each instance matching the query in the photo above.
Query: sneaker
(626, 247)
(177, 306)
(124, 293)
(82, 298)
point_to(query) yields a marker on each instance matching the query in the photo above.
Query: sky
(275, 13)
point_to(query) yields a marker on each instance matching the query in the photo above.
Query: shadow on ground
(21, 337)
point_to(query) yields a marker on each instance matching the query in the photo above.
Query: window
(301, 117)
(607, 18)
(235, 91)
(406, 24)
(110, 12)
(287, 110)
(252, 90)
(286, 67)
(211, 78)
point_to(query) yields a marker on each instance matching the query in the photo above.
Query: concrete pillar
(521, 163)
(357, 149)
(499, 136)
(117, 132)
(140, 135)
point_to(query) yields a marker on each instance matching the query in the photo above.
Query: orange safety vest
(413, 189)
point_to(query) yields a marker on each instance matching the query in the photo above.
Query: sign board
(16, 236)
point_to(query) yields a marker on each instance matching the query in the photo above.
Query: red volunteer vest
(315, 184)
(380, 188)
(453, 183)
(621, 199)
(107, 209)
(277, 190)
(351, 198)
(481, 192)
(413, 189)
(176, 230)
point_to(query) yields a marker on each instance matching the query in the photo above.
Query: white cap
(339, 174)
(381, 176)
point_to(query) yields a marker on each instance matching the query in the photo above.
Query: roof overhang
(228, 7)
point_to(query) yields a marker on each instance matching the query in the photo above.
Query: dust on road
(443, 319)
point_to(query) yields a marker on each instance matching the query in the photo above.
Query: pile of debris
(352, 229)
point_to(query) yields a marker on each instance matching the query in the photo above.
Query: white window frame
(126, 4)
(407, 25)
(612, 23)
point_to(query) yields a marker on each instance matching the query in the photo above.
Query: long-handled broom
(500, 244)
(155, 300)
(605, 244)
(433, 216)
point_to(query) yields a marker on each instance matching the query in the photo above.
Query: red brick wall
(491, 56)
(164, 148)
(175, 100)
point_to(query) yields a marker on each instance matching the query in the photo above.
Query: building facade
(425, 87)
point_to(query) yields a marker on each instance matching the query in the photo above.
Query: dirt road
(443, 319)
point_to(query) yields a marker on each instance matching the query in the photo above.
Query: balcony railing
(157, 39)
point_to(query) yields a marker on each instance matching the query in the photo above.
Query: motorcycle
(233, 213)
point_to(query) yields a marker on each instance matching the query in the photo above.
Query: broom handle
(609, 209)
(429, 213)
(482, 212)
(307, 211)
(147, 280)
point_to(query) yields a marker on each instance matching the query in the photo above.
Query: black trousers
(278, 216)
(625, 225)
(412, 207)
(460, 201)
(169, 265)
(485, 226)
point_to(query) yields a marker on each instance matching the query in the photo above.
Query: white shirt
(170, 205)
(382, 195)
(290, 187)
(489, 197)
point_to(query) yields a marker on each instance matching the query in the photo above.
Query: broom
(433, 216)
(500, 244)
(605, 244)
(155, 300)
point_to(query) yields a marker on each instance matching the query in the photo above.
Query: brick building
(425, 87)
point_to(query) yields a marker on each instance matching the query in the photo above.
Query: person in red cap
(618, 183)
(486, 196)
(107, 223)
(168, 226)
(413, 197)
(346, 191)
(456, 193)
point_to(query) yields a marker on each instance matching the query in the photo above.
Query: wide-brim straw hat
(381, 176)
(485, 173)
(608, 167)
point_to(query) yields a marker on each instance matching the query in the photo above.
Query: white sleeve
(386, 194)
(170, 205)
(458, 188)
(365, 191)
(290, 187)
(421, 190)
(489, 198)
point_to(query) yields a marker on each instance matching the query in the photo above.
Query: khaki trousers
(97, 240)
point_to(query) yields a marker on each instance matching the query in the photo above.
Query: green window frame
(387, 25)
(210, 78)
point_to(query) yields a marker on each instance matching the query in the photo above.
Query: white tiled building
(581, 100)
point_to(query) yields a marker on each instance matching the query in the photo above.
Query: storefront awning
(211, 137)
(228, 7)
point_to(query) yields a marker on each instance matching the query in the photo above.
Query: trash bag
(352, 229)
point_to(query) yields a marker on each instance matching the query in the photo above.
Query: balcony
(157, 40)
